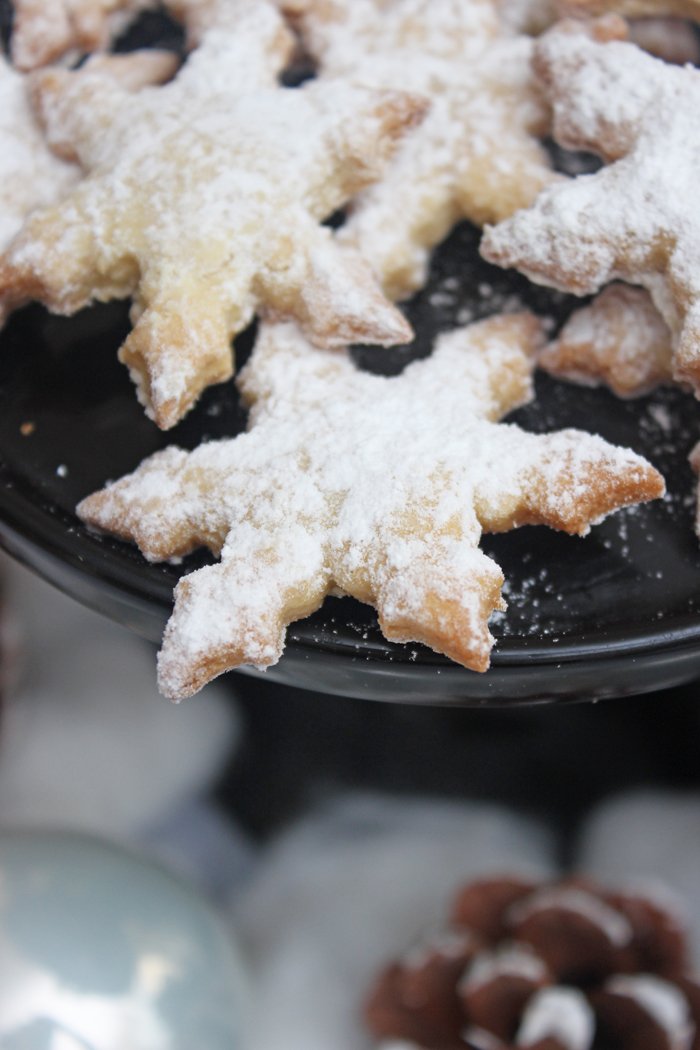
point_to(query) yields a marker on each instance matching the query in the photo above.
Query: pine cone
(559, 966)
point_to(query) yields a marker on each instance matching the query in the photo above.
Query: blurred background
(327, 833)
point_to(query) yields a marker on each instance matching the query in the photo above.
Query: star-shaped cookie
(30, 174)
(203, 200)
(354, 483)
(475, 156)
(634, 219)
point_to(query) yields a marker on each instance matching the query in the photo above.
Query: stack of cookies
(201, 190)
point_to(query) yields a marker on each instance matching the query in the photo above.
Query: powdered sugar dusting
(30, 175)
(325, 494)
(185, 208)
(620, 339)
(634, 219)
(474, 156)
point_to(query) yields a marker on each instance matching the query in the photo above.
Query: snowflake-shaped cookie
(476, 154)
(30, 175)
(634, 219)
(358, 484)
(203, 200)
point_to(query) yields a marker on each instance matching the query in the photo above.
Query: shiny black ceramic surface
(615, 613)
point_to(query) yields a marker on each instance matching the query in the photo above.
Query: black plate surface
(615, 613)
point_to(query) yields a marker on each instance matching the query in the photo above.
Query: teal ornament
(100, 950)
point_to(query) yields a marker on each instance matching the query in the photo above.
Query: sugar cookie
(30, 175)
(325, 494)
(635, 218)
(203, 200)
(476, 155)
